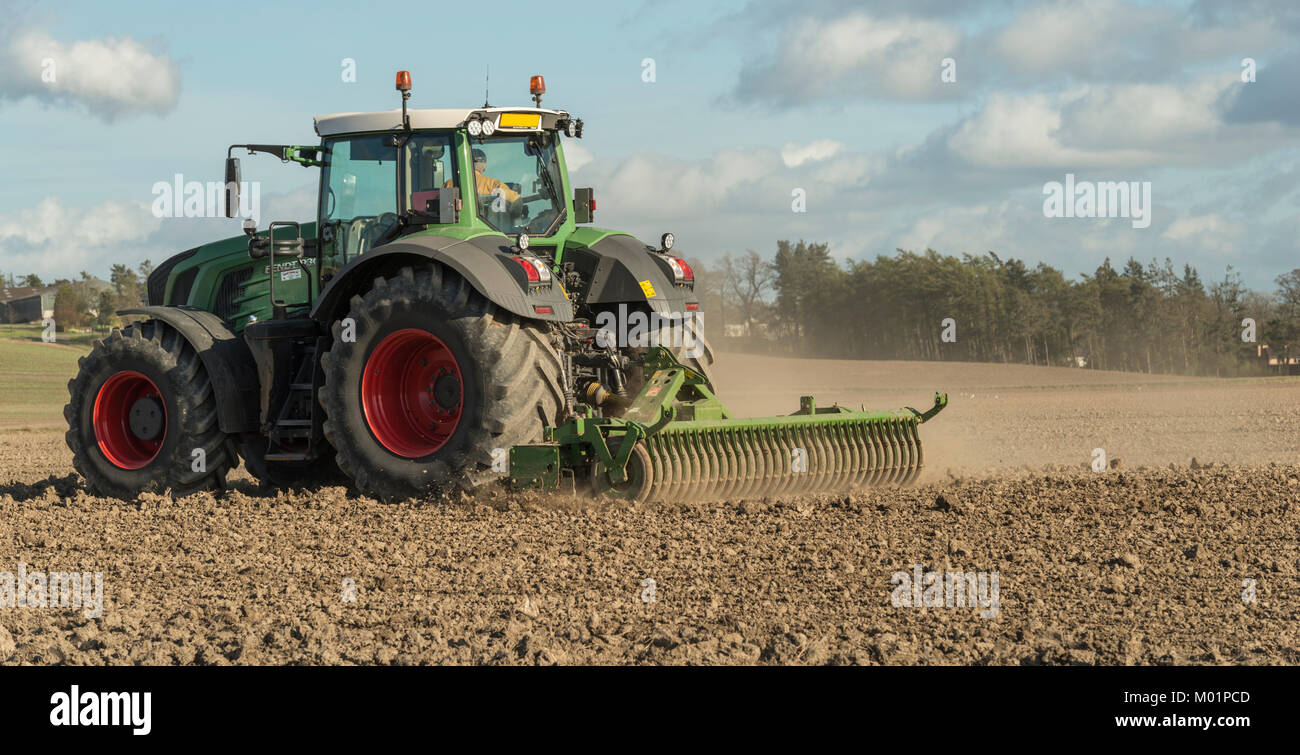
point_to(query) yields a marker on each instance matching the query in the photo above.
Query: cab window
(359, 189)
(517, 183)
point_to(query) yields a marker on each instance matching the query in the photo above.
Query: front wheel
(142, 416)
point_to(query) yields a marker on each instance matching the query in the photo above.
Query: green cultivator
(677, 442)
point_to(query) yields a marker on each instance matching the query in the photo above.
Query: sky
(871, 126)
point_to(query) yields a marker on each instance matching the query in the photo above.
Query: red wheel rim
(412, 393)
(120, 443)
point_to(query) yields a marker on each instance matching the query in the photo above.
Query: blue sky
(750, 102)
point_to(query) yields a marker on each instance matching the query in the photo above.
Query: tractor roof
(391, 120)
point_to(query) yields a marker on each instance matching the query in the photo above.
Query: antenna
(487, 78)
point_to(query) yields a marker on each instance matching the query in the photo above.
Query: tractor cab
(457, 173)
(464, 172)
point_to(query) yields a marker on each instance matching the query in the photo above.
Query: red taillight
(682, 272)
(403, 81)
(542, 310)
(692, 307)
(529, 269)
(536, 270)
(537, 85)
(592, 204)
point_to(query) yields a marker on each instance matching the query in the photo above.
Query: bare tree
(709, 287)
(748, 279)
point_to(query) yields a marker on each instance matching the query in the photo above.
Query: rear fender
(226, 358)
(621, 269)
(485, 262)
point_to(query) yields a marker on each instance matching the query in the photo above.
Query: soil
(1161, 559)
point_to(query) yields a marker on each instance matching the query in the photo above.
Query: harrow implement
(677, 442)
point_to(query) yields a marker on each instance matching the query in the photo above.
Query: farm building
(27, 304)
(1283, 363)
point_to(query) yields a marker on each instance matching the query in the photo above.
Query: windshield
(517, 183)
(360, 187)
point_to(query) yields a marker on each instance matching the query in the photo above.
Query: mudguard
(483, 261)
(621, 269)
(226, 358)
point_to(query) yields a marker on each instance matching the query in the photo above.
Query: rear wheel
(435, 381)
(142, 416)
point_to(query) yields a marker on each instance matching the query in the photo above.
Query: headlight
(488, 127)
(521, 241)
(666, 241)
(474, 128)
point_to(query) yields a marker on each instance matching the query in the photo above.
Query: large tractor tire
(140, 409)
(437, 380)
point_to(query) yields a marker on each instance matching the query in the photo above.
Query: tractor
(450, 318)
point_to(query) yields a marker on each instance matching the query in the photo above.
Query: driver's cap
(480, 156)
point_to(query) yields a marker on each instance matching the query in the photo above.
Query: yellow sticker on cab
(520, 120)
(648, 289)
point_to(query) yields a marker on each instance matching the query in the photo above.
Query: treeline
(1147, 318)
(88, 301)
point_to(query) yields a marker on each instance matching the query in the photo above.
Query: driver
(486, 185)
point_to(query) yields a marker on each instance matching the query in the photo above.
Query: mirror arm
(286, 153)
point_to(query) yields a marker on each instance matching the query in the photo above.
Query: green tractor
(451, 317)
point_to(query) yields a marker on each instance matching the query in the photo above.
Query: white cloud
(576, 155)
(794, 155)
(55, 240)
(296, 204)
(110, 77)
(51, 221)
(965, 230)
(1088, 39)
(740, 200)
(1211, 232)
(1024, 131)
(853, 54)
(1152, 116)
(1130, 126)
(656, 186)
(1073, 36)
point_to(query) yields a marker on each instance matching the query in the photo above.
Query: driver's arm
(492, 185)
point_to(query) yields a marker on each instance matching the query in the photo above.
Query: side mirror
(584, 205)
(232, 186)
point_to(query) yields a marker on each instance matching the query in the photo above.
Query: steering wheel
(513, 209)
(542, 222)
(368, 229)
(385, 223)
